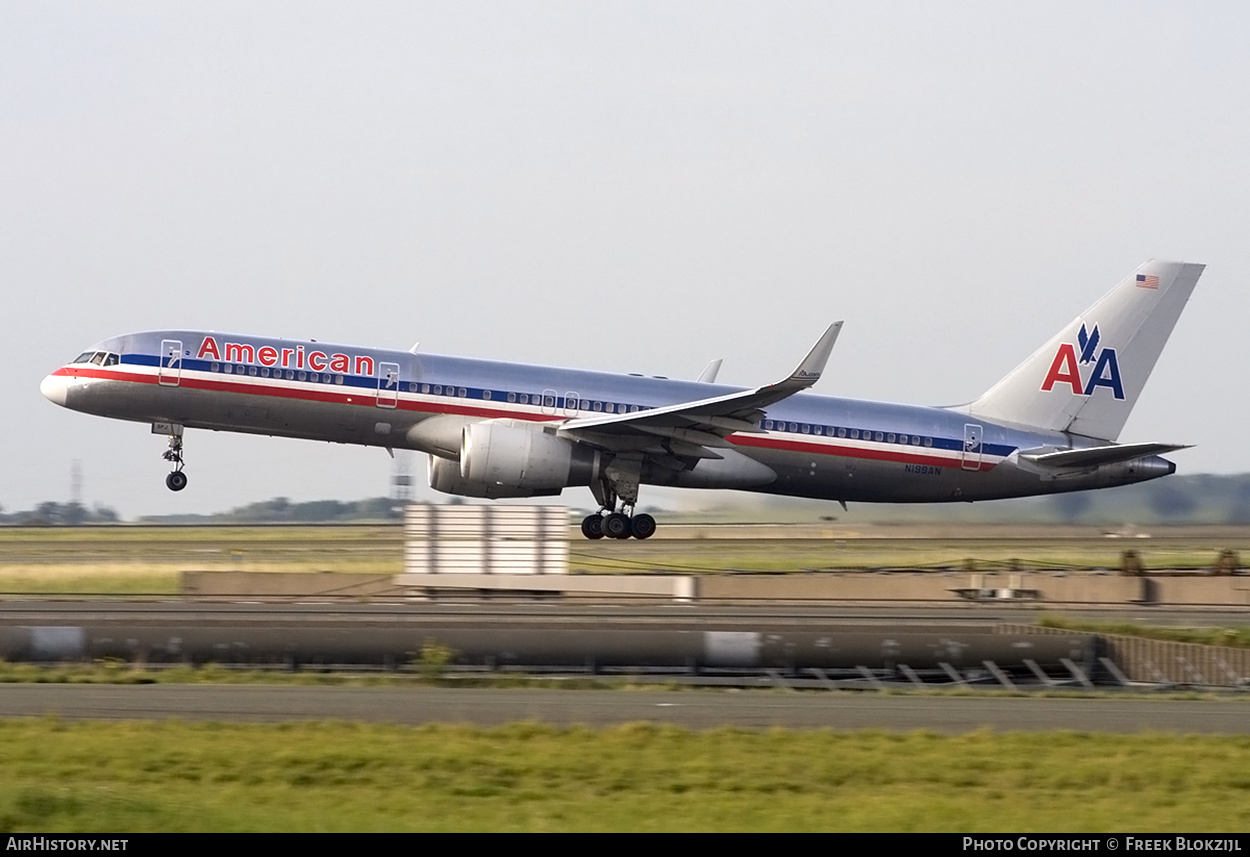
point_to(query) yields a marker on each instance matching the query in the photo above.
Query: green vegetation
(130, 560)
(319, 776)
(433, 659)
(429, 667)
(1167, 551)
(1238, 636)
(134, 560)
(280, 510)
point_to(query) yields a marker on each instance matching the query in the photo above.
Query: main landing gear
(618, 525)
(177, 480)
(616, 491)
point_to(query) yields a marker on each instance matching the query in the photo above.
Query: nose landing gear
(177, 480)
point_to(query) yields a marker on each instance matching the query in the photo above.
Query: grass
(1237, 636)
(147, 559)
(327, 776)
(127, 560)
(427, 668)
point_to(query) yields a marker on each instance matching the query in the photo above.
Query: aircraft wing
(1094, 456)
(705, 422)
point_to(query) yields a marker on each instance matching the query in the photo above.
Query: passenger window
(807, 428)
(338, 379)
(264, 372)
(598, 406)
(610, 408)
(486, 395)
(879, 436)
(251, 370)
(525, 400)
(303, 376)
(462, 392)
(854, 434)
(227, 369)
(890, 437)
(214, 368)
(928, 441)
(841, 432)
(438, 389)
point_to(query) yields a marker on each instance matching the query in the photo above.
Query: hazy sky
(622, 186)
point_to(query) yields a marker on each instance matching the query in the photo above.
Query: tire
(592, 526)
(642, 526)
(616, 526)
(176, 481)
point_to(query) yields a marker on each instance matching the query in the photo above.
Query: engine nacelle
(522, 456)
(445, 477)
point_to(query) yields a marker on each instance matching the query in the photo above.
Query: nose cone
(54, 388)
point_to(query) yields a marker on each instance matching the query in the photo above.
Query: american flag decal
(1147, 281)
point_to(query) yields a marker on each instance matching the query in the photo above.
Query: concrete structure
(486, 539)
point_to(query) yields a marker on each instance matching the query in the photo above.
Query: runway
(695, 709)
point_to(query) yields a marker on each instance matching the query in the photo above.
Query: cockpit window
(99, 358)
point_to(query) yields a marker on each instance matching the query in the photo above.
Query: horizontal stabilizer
(1094, 456)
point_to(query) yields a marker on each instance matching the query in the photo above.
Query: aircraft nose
(54, 388)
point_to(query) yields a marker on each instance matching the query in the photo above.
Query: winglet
(809, 371)
(709, 374)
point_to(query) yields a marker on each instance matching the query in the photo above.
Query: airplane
(497, 429)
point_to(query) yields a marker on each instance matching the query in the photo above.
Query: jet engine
(522, 456)
(445, 477)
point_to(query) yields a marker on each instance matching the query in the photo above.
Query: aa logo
(1066, 367)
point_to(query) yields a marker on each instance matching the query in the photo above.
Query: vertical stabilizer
(1087, 378)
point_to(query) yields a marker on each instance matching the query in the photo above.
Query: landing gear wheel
(616, 526)
(642, 526)
(592, 526)
(177, 480)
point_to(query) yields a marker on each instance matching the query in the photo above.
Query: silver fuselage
(817, 446)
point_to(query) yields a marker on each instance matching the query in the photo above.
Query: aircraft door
(549, 401)
(169, 367)
(388, 385)
(570, 403)
(972, 447)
